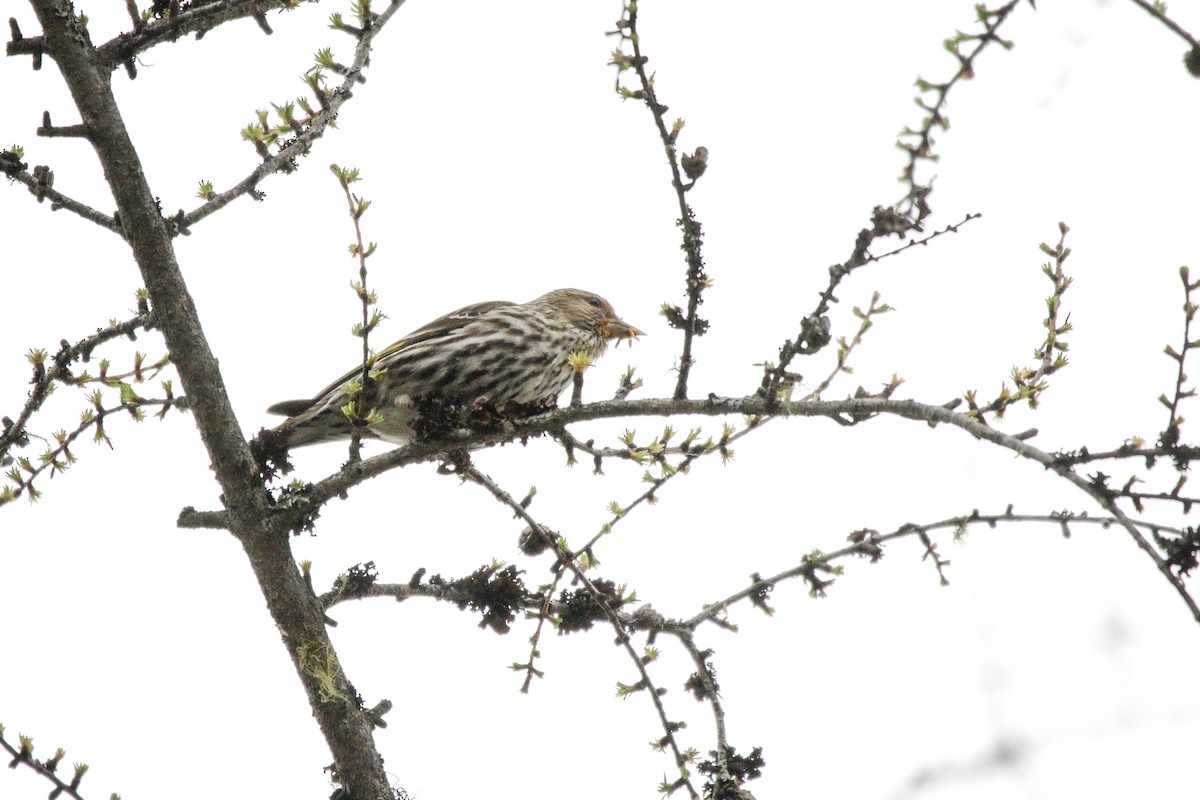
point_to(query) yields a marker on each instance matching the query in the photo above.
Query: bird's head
(590, 311)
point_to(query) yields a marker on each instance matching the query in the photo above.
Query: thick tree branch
(346, 728)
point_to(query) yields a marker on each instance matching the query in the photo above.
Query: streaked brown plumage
(495, 353)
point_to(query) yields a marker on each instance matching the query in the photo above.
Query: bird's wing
(441, 326)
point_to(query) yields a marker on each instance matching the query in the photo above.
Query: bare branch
(197, 18)
(59, 370)
(41, 185)
(694, 166)
(569, 561)
(1030, 382)
(1171, 434)
(915, 205)
(847, 412)
(303, 142)
(47, 768)
(1159, 12)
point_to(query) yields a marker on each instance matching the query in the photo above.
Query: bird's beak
(618, 329)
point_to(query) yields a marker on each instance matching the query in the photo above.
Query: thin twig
(697, 280)
(58, 200)
(568, 561)
(59, 370)
(1161, 15)
(303, 142)
(47, 769)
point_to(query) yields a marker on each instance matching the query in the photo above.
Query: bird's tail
(307, 424)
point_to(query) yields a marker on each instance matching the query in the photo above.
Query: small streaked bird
(496, 353)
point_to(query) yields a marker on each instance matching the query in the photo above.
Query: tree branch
(68, 354)
(303, 142)
(344, 723)
(846, 412)
(48, 768)
(695, 165)
(40, 185)
(197, 18)
(1161, 15)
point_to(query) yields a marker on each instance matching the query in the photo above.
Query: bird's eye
(594, 302)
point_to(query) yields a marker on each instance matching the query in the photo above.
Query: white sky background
(501, 165)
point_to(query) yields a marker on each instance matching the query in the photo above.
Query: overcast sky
(501, 164)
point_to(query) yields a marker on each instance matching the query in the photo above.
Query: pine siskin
(496, 353)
